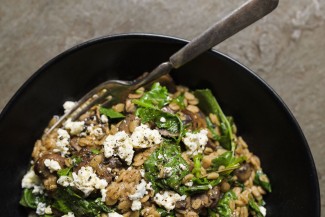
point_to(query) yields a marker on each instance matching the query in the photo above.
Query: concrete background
(287, 48)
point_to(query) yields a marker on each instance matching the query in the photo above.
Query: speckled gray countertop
(287, 48)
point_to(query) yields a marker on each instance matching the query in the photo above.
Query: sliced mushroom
(244, 172)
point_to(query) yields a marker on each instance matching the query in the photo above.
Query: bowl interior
(261, 117)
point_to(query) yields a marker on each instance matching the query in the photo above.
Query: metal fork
(114, 91)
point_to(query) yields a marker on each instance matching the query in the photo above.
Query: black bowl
(262, 118)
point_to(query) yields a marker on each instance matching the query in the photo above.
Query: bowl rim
(151, 36)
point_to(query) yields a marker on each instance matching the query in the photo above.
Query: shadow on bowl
(261, 117)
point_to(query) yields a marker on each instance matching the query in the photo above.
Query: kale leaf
(208, 104)
(254, 206)
(156, 97)
(166, 157)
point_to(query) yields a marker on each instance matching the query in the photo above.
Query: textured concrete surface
(287, 48)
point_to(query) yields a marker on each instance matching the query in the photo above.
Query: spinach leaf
(156, 97)
(28, 199)
(166, 156)
(208, 104)
(227, 160)
(111, 113)
(262, 180)
(223, 207)
(254, 206)
(215, 136)
(66, 200)
(171, 122)
(64, 172)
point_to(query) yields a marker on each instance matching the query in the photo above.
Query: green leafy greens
(209, 104)
(111, 113)
(156, 97)
(262, 180)
(254, 206)
(166, 156)
(223, 207)
(227, 160)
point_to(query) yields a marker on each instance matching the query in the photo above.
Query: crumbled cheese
(182, 166)
(119, 144)
(42, 209)
(162, 119)
(86, 181)
(96, 131)
(196, 142)
(142, 172)
(75, 127)
(53, 165)
(136, 205)
(168, 199)
(31, 180)
(144, 137)
(149, 186)
(140, 191)
(189, 183)
(167, 171)
(104, 119)
(114, 214)
(103, 193)
(68, 106)
(65, 181)
(263, 210)
(70, 214)
(62, 143)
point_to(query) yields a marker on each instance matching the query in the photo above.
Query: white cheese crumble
(140, 191)
(53, 165)
(70, 214)
(195, 142)
(62, 142)
(119, 144)
(114, 214)
(96, 131)
(167, 171)
(85, 180)
(263, 210)
(104, 119)
(68, 106)
(168, 199)
(182, 166)
(136, 205)
(144, 137)
(31, 180)
(75, 127)
(162, 119)
(42, 209)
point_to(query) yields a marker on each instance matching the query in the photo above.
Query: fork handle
(239, 19)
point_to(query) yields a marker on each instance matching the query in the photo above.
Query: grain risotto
(165, 151)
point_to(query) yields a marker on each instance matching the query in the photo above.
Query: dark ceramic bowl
(262, 118)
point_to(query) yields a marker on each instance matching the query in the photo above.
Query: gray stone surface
(286, 49)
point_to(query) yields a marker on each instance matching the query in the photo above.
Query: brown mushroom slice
(42, 170)
(244, 172)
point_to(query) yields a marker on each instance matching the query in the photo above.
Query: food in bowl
(165, 151)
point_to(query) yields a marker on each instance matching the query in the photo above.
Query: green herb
(28, 199)
(66, 200)
(262, 180)
(156, 97)
(64, 172)
(208, 104)
(111, 113)
(212, 213)
(254, 206)
(180, 101)
(227, 160)
(223, 207)
(197, 165)
(167, 155)
(210, 126)
(95, 151)
(165, 213)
